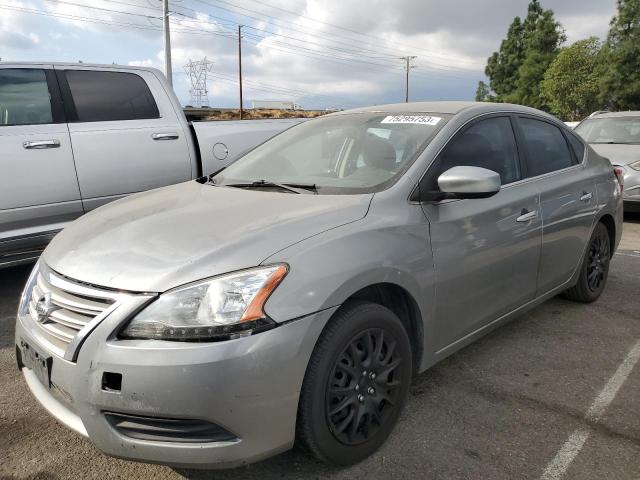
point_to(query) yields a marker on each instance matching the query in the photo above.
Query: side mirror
(469, 182)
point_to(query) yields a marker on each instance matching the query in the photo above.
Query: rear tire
(356, 384)
(594, 269)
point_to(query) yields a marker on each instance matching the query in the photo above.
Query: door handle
(586, 196)
(526, 215)
(38, 144)
(165, 136)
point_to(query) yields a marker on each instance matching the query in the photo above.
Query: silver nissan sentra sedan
(292, 296)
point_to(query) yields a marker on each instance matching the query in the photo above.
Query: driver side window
(488, 144)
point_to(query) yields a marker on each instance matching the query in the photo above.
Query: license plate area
(37, 362)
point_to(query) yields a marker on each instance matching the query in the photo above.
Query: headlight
(635, 165)
(220, 308)
(23, 307)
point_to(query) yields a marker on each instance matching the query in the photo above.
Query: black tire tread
(580, 291)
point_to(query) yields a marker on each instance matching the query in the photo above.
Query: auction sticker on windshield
(415, 119)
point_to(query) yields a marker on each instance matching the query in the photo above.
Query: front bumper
(248, 386)
(631, 193)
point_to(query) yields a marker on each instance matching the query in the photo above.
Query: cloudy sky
(320, 53)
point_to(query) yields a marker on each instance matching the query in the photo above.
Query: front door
(38, 185)
(485, 251)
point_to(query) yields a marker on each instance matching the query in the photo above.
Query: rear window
(577, 146)
(108, 96)
(546, 147)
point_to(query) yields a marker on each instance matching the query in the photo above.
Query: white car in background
(616, 136)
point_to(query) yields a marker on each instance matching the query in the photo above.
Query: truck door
(38, 185)
(125, 139)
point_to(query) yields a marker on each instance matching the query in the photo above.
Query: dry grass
(261, 114)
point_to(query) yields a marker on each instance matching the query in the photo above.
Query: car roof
(630, 113)
(444, 107)
(75, 64)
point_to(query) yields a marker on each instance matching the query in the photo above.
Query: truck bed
(222, 142)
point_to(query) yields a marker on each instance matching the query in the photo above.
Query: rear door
(485, 250)
(38, 185)
(124, 139)
(567, 197)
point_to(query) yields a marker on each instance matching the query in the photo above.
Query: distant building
(274, 105)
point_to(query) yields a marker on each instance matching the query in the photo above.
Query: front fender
(327, 269)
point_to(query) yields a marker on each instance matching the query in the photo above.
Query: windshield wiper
(294, 188)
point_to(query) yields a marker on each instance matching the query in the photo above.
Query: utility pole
(167, 41)
(240, 67)
(408, 66)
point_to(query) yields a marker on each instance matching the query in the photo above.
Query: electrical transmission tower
(198, 72)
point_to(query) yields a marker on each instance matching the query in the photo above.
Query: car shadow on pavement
(632, 217)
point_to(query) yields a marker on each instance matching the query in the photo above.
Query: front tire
(356, 384)
(594, 269)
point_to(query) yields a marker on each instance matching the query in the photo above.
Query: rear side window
(577, 145)
(24, 97)
(107, 96)
(488, 144)
(546, 147)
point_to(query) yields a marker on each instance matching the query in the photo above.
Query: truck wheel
(355, 385)
(594, 269)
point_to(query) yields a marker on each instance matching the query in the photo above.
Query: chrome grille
(66, 308)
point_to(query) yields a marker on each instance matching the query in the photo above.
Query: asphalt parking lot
(555, 385)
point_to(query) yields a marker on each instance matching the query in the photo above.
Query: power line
(345, 55)
(334, 55)
(331, 55)
(279, 22)
(296, 14)
(81, 18)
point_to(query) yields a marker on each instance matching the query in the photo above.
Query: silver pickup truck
(76, 136)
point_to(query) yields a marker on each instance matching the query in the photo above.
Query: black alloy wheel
(594, 269)
(363, 386)
(356, 383)
(597, 262)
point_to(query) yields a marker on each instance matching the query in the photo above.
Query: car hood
(618, 154)
(175, 235)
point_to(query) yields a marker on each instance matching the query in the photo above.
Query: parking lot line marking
(633, 254)
(561, 462)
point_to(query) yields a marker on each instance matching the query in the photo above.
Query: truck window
(105, 96)
(24, 97)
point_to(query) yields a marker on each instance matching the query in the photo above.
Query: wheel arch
(403, 305)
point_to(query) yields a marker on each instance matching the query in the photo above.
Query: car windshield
(610, 130)
(340, 154)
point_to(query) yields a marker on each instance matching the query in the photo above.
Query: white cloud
(452, 40)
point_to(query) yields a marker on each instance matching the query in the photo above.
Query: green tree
(502, 66)
(570, 86)
(517, 68)
(620, 59)
(543, 36)
(483, 93)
